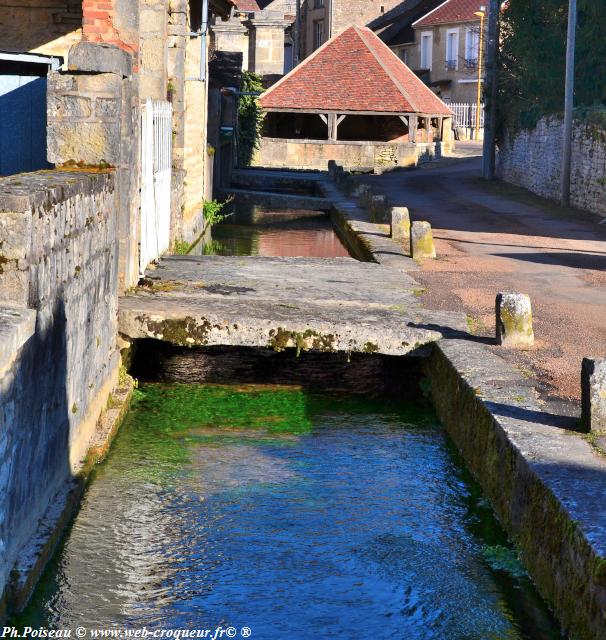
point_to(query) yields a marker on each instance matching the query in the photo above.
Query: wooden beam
(405, 120)
(324, 117)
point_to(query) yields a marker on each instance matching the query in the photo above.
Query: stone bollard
(400, 225)
(513, 320)
(366, 197)
(332, 166)
(593, 394)
(360, 190)
(421, 240)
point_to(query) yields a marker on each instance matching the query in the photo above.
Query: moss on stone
(184, 332)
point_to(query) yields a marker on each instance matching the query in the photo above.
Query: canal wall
(58, 360)
(545, 483)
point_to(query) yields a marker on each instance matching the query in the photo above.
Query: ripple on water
(294, 515)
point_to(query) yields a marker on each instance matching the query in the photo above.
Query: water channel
(293, 514)
(253, 230)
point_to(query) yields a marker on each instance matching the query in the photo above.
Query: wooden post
(412, 127)
(440, 131)
(332, 126)
(338, 121)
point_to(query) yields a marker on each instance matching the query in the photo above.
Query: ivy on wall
(250, 118)
(533, 57)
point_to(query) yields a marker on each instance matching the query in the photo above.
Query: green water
(294, 515)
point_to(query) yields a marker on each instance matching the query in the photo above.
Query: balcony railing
(451, 65)
(471, 63)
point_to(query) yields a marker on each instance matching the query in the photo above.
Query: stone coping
(17, 326)
(25, 191)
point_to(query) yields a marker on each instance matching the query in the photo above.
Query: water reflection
(251, 230)
(297, 516)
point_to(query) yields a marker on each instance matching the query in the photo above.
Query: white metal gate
(156, 161)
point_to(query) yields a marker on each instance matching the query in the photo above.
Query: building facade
(320, 20)
(263, 32)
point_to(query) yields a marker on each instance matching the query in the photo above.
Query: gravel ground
(494, 237)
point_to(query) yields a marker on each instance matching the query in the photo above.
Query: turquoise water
(293, 515)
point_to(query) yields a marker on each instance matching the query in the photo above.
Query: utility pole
(490, 90)
(568, 103)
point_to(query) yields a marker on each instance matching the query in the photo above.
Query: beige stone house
(320, 20)
(263, 32)
(445, 49)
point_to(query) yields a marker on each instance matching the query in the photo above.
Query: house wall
(531, 159)
(49, 27)
(463, 81)
(337, 16)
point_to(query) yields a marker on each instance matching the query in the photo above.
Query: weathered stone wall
(50, 27)
(113, 22)
(532, 159)
(354, 156)
(93, 118)
(59, 361)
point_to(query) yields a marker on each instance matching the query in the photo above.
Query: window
(472, 47)
(318, 4)
(452, 48)
(403, 55)
(426, 47)
(318, 33)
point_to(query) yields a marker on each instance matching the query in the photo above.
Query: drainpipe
(203, 35)
(203, 40)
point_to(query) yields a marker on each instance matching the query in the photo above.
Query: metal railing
(465, 115)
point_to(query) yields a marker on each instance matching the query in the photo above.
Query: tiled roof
(353, 72)
(248, 5)
(452, 11)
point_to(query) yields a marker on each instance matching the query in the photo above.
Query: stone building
(353, 101)
(78, 52)
(445, 47)
(263, 32)
(320, 20)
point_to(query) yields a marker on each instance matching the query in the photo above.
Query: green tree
(532, 59)
(250, 118)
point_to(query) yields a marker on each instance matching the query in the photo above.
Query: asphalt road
(493, 237)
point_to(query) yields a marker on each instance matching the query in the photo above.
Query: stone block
(593, 394)
(88, 142)
(400, 225)
(421, 240)
(379, 208)
(513, 320)
(94, 57)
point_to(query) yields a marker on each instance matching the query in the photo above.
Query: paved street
(492, 237)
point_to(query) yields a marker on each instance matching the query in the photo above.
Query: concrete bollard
(514, 320)
(400, 225)
(593, 394)
(421, 240)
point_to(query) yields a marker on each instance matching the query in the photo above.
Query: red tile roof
(248, 5)
(452, 11)
(353, 72)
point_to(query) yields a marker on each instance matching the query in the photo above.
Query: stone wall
(50, 27)
(532, 159)
(354, 156)
(93, 118)
(58, 355)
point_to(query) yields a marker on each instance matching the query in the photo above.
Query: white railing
(156, 163)
(465, 115)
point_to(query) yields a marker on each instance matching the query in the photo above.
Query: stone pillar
(421, 240)
(267, 43)
(400, 225)
(93, 119)
(232, 36)
(513, 320)
(593, 394)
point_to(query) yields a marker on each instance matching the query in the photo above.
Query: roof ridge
(430, 12)
(387, 71)
(302, 64)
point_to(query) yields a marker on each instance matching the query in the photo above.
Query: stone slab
(317, 304)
